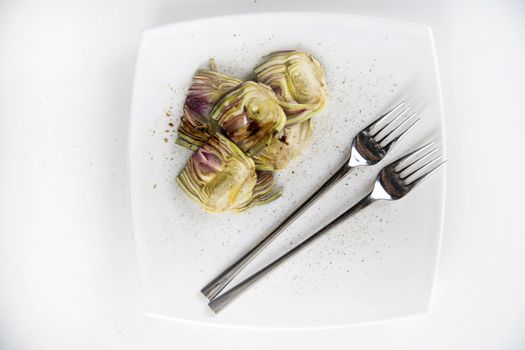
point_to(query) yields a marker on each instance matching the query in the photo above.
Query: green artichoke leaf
(265, 190)
(249, 115)
(298, 81)
(207, 87)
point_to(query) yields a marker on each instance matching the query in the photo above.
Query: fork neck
(356, 158)
(342, 171)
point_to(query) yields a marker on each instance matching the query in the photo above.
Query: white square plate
(379, 265)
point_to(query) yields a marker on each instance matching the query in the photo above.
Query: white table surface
(68, 271)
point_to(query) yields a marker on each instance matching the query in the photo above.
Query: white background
(68, 274)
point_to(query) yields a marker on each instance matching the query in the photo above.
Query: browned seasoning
(283, 140)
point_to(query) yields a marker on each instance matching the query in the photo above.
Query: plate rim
(195, 20)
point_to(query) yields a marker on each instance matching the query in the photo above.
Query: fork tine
(397, 138)
(391, 132)
(426, 175)
(384, 116)
(391, 122)
(405, 167)
(411, 154)
(424, 166)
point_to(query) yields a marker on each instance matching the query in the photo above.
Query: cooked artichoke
(265, 190)
(220, 177)
(249, 115)
(297, 80)
(287, 145)
(207, 87)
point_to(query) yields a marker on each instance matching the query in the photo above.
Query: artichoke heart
(287, 145)
(220, 178)
(249, 115)
(207, 87)
(297, 80)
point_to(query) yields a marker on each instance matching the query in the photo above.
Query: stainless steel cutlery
(394, 181)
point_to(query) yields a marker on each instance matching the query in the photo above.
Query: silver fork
(369, 147)
(393, 182)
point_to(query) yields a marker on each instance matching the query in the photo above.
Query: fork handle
(226, 298)
(214, 287)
